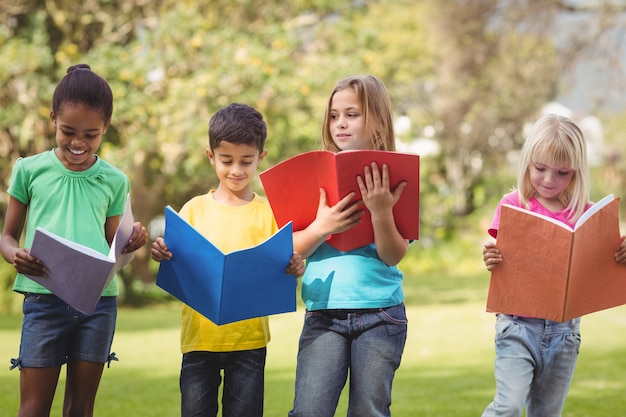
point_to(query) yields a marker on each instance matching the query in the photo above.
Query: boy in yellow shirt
(232, 217)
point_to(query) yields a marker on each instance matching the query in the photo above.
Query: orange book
(292, 188)
(552, 272)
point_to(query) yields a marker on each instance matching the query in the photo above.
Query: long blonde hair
(557, 141)
(376, 108)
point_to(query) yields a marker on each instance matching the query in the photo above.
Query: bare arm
(9, 242)
(379, 199)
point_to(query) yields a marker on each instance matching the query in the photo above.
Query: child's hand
(336, 219)
(159, 250)
(296, 265)
(375, 189)
(620, 254)
(491, 255)
(138, 238)
(24, 263)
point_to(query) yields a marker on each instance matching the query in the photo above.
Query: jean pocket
(504, 327)
(395, 314)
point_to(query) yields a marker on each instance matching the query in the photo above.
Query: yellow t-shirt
(229, 228)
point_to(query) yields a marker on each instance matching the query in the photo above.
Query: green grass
(447, 367)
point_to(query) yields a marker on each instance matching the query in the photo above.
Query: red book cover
(552, 272)
(292, 189)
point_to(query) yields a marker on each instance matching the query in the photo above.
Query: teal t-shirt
(350, 280)
(71, 204)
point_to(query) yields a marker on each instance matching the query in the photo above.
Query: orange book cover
(292, 189)
(552, 272)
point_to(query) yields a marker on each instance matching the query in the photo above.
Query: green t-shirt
(71, 204)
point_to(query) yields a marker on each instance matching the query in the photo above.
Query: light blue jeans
(367, 343)
(534, 366)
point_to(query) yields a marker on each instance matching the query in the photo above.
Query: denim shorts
(53, 332)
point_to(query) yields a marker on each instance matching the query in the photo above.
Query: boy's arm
(329, 220)
(159, 250)
(296, 265)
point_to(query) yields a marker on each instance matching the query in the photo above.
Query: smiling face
(346, 121)
(549, 181)
(235, 166)
(79, 131)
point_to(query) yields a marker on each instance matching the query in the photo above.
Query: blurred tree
(171, 64)
(473, 71)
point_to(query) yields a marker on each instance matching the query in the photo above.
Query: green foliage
(470, 73)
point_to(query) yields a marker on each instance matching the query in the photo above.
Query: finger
(385, 176)
(323, 202)
(367, 174)
(347, 201)
(375, 175)
(362, 186)
(399, 189)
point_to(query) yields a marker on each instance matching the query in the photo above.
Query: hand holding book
(293, 190)
(542, 268)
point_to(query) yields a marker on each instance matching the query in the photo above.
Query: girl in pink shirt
(535, 358)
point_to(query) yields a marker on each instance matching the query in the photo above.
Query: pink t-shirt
(513, 199)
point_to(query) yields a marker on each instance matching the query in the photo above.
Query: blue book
(226, 288)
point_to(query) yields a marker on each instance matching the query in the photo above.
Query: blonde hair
(556, 140)
(376, 107)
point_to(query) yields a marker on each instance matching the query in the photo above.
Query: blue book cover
(227, 287)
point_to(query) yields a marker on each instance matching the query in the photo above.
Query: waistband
(544, 325)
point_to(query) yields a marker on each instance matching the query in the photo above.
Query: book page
(594, 209)
(540, 216)
(121, 238)
(71, 247)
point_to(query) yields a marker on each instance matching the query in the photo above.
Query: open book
(78, 274)
(552, 272)
(227, 287)
(292, 188)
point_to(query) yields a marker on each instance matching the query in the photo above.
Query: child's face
(549, 181)
(347, 124)
(79, 132)
(235, 165)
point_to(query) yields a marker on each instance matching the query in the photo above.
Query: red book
(292, 188)
(550, 271)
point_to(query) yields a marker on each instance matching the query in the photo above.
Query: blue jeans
(201, 375)
(368, 343)
(534, 366)
(54, 333)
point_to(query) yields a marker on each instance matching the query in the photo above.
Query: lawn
(447, 368)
